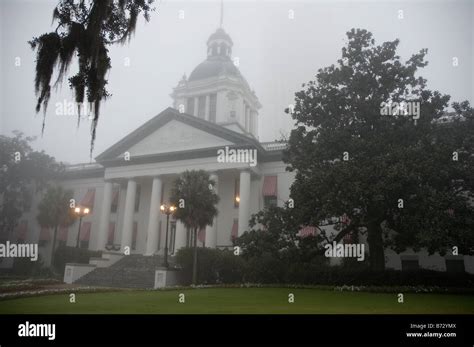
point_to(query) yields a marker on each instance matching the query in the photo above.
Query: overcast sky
(277, 54)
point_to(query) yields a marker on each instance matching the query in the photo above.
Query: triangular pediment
(174, 132)
(176, 136)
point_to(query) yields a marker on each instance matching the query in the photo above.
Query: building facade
(214, 111)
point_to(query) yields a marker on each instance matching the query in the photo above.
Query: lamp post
(81, 212)
(167, 209)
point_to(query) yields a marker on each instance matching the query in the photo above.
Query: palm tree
(196, 202)
(54, 211)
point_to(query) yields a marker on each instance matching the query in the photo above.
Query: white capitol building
(212, 109)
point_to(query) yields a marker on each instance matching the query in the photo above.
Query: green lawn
(241, 300)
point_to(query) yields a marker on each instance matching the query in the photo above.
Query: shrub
(265, 269)
(26, 267)
(65, 254)
(230, 268)
(213, 266)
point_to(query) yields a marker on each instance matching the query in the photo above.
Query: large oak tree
(404, 181)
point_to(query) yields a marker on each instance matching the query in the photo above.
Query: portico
(155, 190)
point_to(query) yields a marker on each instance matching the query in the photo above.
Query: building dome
(220, 34)
(214, 68)
(218, 62)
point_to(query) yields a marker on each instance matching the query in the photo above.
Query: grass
(241, 300)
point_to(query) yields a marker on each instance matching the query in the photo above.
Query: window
(212, 108)
(190, 106)
(115, 200)
(85, 234)
(236, 192)
(88, 199)
(202, 107)
(269, 191)
(234, 233)
(137, 198)
(111, 235)
(269, 201)
(172, 236)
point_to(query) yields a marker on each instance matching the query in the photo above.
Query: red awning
(62, 234)
(307, 231)
(235, 230)
(85, 231)
(270, 186)
(89, 198)
(21, 230)
(202, 235)
(111, 237)
(45, 235)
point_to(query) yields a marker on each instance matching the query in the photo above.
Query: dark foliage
(85, 28)
(65, 254)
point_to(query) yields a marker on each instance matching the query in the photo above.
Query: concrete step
(132, 271)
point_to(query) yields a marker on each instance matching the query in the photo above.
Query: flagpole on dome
(222, 12)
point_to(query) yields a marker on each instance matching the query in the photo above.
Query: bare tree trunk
(195, 257)
(376, 250)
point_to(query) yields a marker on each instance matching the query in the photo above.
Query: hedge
(65, 254)
(222, 266)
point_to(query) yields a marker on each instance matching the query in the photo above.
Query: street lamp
(167, 209)
(81, 212)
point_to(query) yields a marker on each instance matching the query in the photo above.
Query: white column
(211, 231)
(180, 237)
(104, 216)
(152, 239)
(244, 204)
(127, 226)
(196, 105)
(255, 124)
(206, 110)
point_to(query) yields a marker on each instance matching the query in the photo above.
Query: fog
(276, 53)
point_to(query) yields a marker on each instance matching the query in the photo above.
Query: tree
(403, 178)
(54, 211)
(274, 232)
(193, 194)
(24, 172)
(85, 28)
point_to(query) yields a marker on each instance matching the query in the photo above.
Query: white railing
(274, 146)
